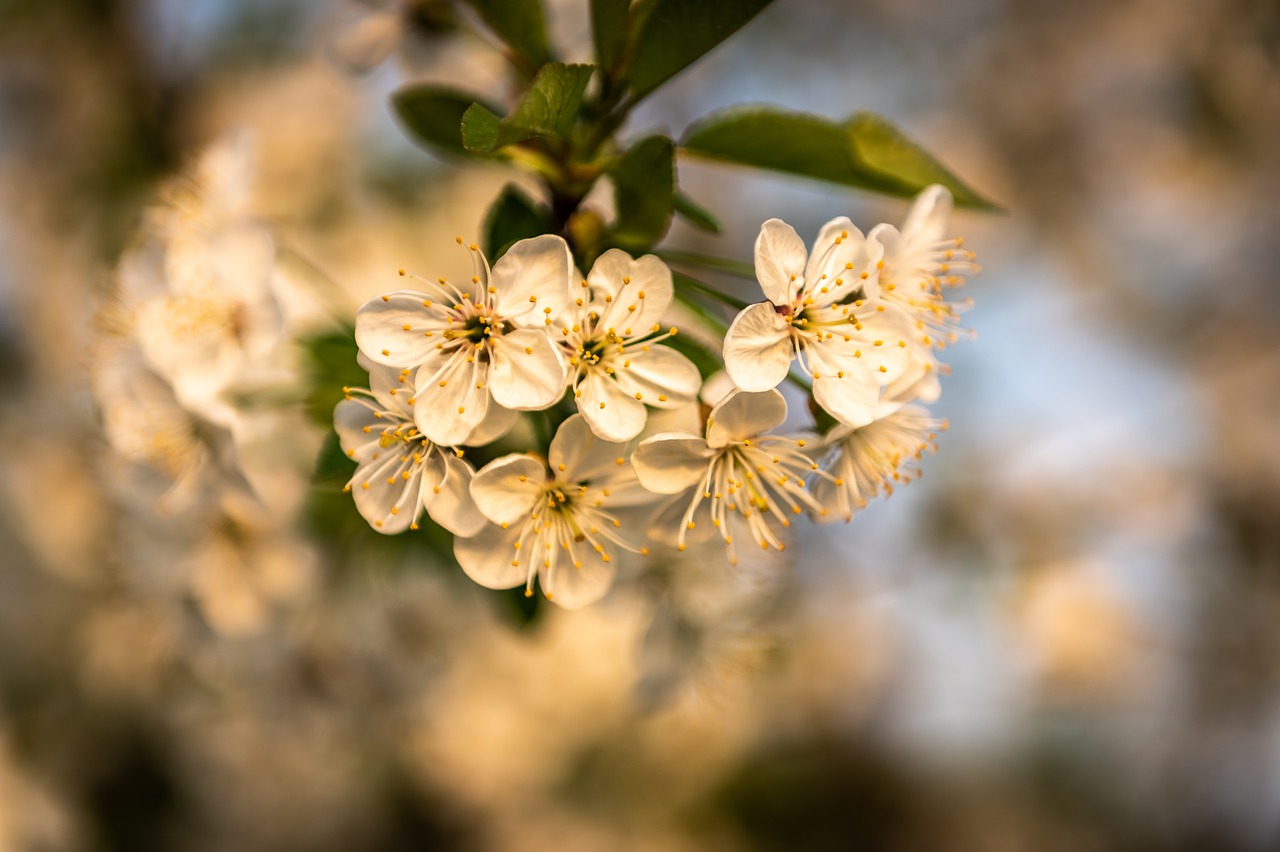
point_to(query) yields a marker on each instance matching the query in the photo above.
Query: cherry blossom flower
(612, 334)
(872, 458)
(917, 263)
(735, 469)
(563, 520)
(400, 471)
(387, 25)
(147, 426)
(199, 283)
(476, 345)
(819, 314)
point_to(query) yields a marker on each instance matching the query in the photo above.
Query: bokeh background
(1066, 636)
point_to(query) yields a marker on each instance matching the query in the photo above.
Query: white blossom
(146, 425)
(199, 283)
(870, 459)
(734, 469)
(919, 263)
(400, 471)
(563, 520)
(612, 333)
(818, 312)
(478, 345)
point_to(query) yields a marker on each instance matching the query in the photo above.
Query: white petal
(839, 257)
(835, 499)
(497, 422)
(667, 522)
(350, 419)
(448, 404)
(686, 418)
(671, 462)
(381, 333)
(583, 456)
(662, 376)
(506, 488)
(638, 299)
(528, 371)
(918, 384)
(532, 276)
(612, 413)
(926, 221)
(574, 588)
(780, 261)
(715, 388)
(885, 241)
(390, 503)
(366, 43)
(452, 507)
(757, 348)
(486, 558)
(392, 389)
(853, 398)
(607, 273)
(742, 415)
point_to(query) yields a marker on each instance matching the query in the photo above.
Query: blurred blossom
(414, 29)
(1064, 636)
(1078, 635)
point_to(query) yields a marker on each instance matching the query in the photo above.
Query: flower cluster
(456, 366)
(189, 362)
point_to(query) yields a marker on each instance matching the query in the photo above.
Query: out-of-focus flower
(400, 471)
(239, 576)
(735, 469)
(199, 283)
(871, 458)
(145, 424)
(918, 262)
(386, 25)
(612, 332)
(561, 523)
(486, 342)
(818, 312)
(1078, 634)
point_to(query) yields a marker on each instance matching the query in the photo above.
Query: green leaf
(865, 152)
(481, 130)
(519, 23)
(331, 363)
(878, 147)
(644, 191)
(609, 29)
(433, 115)
(551, 102)
(675, 33)
(696, 214)
(512, 216)
(547, 108)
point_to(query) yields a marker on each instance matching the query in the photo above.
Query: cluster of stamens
(760, 479)
(566, 522)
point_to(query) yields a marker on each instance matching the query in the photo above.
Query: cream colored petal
(486, 558)
(450, 403)
(449, 501)
(506, 489)
(742, 415)
(780, 261)
(577, 455)
(757, 348)
(671, 462)
(392, 329)
(611, 412)
(528, 371)
(532, 276)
